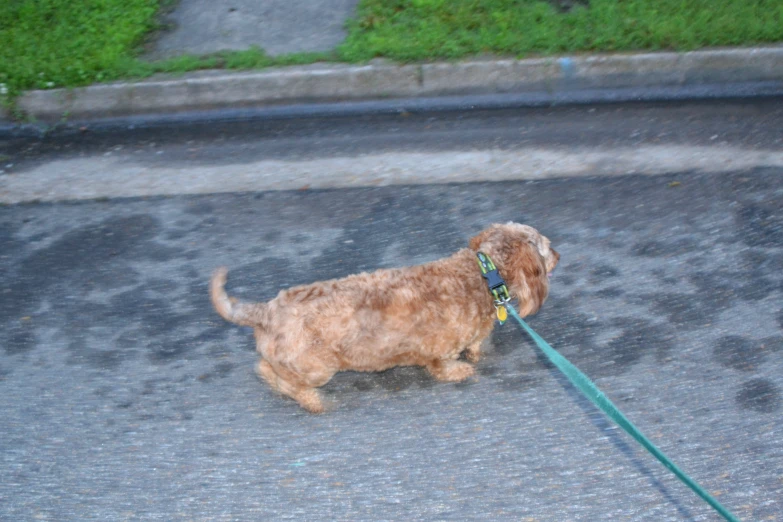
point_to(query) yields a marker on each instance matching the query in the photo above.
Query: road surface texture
(124, 396)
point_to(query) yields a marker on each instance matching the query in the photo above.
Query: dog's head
(524, 259)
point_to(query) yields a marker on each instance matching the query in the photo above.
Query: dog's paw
(459, 371)
(451, 371)
(311, 401)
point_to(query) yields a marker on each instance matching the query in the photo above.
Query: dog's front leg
(473, 352)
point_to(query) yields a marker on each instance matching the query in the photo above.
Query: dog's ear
(527, 271)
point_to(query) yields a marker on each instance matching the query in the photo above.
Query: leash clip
(502, 299)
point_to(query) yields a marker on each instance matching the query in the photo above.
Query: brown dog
(424, 315)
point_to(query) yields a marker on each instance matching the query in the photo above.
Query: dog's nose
(556, 254)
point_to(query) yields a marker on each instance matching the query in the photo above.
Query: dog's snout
(554, 257)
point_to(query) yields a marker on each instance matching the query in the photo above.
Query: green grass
(56, 43)
(408, 30)
(48, 43)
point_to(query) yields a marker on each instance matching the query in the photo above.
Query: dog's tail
(245, 314)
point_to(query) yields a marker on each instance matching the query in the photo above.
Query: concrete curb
(327, 83)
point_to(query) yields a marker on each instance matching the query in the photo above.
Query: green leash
(596, 396)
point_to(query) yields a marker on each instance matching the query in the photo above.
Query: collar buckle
(497, 286)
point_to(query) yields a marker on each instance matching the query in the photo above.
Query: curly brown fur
(423, 315)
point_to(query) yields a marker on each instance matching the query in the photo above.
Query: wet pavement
(123, 395)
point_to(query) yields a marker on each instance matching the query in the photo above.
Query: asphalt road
(124, 396)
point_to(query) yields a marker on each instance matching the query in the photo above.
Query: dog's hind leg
(450, 371)
(307, 397)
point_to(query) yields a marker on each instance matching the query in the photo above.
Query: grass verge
(62, 43)
(445, 29)
(52, 43)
